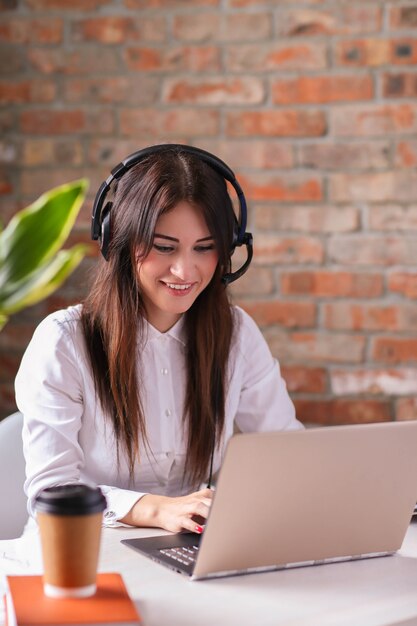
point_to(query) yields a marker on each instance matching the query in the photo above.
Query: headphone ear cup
(235, 240)
(105, 230)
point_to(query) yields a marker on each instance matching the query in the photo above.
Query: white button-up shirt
(67, 438)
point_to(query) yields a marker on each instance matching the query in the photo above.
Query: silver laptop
(297, 498)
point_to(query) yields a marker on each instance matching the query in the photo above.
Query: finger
(192, 526)
(198, 508)
(207, 493)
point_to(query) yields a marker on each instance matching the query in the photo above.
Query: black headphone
(100, 220)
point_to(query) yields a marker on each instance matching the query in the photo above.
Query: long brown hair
(113, 311)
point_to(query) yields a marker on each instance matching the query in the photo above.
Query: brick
(404, 51)
(7, 5)
(62, 300)
(399, 85)
(283, 313)
(406, 409)
(214, 91)
(332, 284)
(273, 56)
(406, 153)
(373, 120)
(168, 4)
(340, 20)
(12, 60)
(292, 187)
(301, 379)
(315, 219)
(8, 207)
(105, 151)
(15, 336)
(116, 29)
(6, 182)
(9, 151)
(120, 89)
(267, 3)
(322, 89)
(173, 59)
(23, 31)
(388, 382)
(394, 185)
(252, 153)
(334, 412)
(153, 123)
(368, 250)
(371, 52)
(9, 364)
(61, 122)
(403, 17)
(81, 61)
(393, 217)
(276, 123)
(246, 26)
(343, 155)
(403, 283)
(36, 152)
(74, 5)
(34, 182)
(287, 250)
(258, 281)
(370, 317)
(26, 91)
(197, 28)
(315, 347)
(399, 350)
(47, 121)
(222, 28)
(7, 399)
(7, 120)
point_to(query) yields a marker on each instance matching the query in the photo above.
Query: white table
(377, 591)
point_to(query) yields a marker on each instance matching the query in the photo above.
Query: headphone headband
(101, 209)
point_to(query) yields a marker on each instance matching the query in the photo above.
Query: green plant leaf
(3, 320)
(41, 283)
(37, 232)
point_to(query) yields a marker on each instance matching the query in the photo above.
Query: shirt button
(168, 412)
(164, 371)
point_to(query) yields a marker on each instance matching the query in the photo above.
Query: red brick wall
(312, 103)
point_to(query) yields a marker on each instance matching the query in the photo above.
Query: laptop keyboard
(184, 555)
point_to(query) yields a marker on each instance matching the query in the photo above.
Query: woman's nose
(182, 267)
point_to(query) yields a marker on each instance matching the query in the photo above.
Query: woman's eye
(164, 249)
(207, 248)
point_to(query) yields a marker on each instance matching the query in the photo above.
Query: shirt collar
(175, 332)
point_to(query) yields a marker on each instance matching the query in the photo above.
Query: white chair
(13, 514)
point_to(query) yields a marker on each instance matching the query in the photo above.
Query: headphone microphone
(101, 216)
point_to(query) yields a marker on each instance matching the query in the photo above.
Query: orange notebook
(27, 605)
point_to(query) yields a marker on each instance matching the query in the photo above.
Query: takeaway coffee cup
(70, 519)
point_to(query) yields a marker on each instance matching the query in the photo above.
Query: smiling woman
(138, 389)
(179, 267)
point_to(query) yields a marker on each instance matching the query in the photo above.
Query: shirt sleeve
(49, 393)
(264, 403)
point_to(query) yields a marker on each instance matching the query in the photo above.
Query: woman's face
(179, 266)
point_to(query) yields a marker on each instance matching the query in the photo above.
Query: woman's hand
(173, 514)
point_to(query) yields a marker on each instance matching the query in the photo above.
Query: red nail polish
(199, 529)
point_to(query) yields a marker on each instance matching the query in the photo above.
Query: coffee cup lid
(73, 499)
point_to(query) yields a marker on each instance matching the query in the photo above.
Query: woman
(139, 388)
